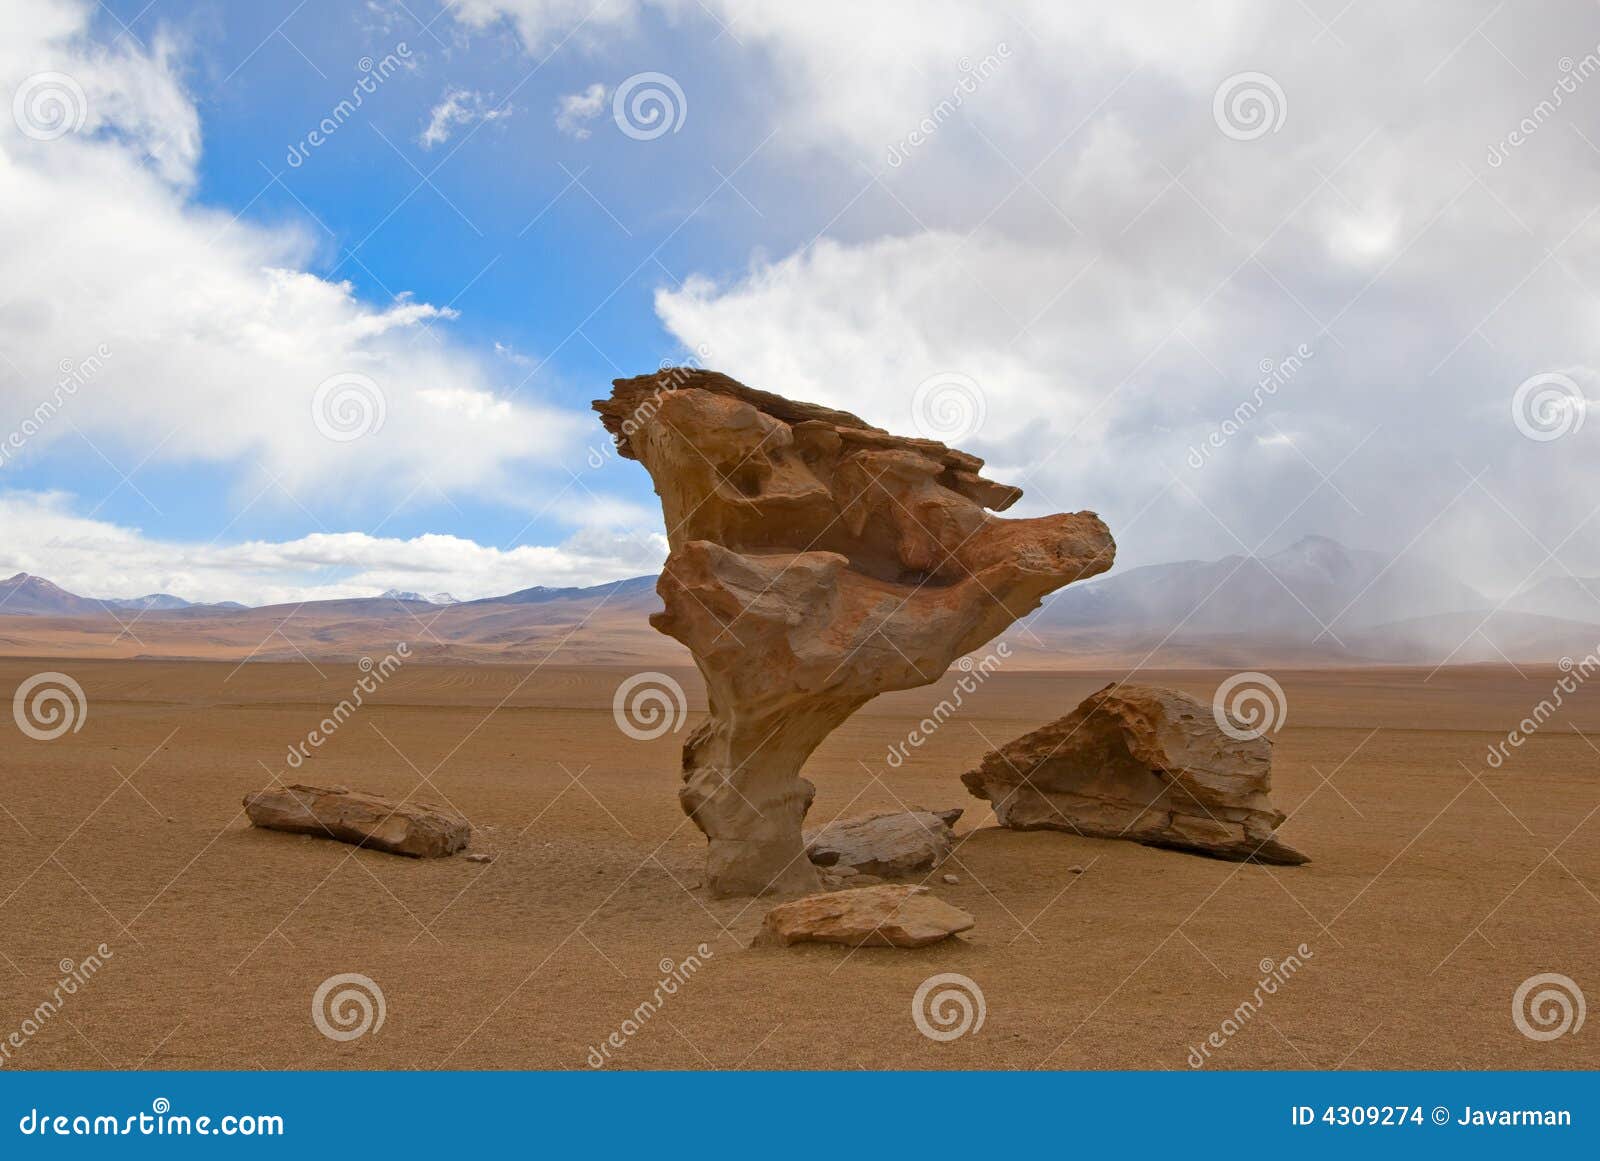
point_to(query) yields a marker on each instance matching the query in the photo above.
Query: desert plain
(1437, 883)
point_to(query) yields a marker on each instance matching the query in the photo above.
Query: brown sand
(1432, 895)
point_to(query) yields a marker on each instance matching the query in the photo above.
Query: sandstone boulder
(897, 842)
(1142, 763)
(816, 561)
(892, 915)
(401, 828)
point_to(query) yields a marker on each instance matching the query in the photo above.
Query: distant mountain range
(408, 595)
(1315, 603)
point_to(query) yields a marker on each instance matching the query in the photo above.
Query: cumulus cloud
(456, 109)
(47, 536)
(573, 109)
(206, 340)
(1116, 226)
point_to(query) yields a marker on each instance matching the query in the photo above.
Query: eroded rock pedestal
(1142, 763)
(816, 562)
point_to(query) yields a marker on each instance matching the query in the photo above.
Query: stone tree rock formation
(1142, 763)
(816, 562)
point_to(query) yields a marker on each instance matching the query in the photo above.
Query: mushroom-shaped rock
(1142, 763)
(891, 915)
(816, 561)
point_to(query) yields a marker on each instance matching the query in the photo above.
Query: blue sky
(1227, 274)
(559, 274)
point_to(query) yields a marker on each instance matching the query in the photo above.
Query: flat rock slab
(892, 915)
(410, 828)
(900, 842)
(1142, 763)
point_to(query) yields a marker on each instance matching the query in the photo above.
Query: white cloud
(458, 108)
(1082, 238)
(541, 24)
(211, 337)
(47, 537)
(573, 109)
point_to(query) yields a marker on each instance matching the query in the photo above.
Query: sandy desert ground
(1438, 884)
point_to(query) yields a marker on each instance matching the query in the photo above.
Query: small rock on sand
(951, 879)
(410, 828)
(897, 842)
(892, 915)
(478, 857)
